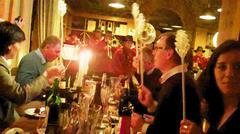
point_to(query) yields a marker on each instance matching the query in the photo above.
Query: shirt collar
(4, 59)
(150, 71)
(6, 64)
(171, 72)
(39, 53)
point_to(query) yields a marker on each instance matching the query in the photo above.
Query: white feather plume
(182, 43)
(135, 10)
(140, 24)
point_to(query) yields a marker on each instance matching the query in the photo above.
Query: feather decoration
(182, 47)
(135, 10)
(140, 24)
(182, 43)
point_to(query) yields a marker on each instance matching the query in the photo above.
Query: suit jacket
(151, 81)
(12, 91)
(169, 110)
(31, 66)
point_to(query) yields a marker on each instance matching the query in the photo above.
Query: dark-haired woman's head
(10, 37)
(222, 76)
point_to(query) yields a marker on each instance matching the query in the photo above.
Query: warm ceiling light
(219, 9)
(207, 16)
(116, 5)
(176, 26)
(167, 28)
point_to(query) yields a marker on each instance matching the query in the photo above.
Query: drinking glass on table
(42, 122)
(115, 84)
(41, 125)
(105, 95)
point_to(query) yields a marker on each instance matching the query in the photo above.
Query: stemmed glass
(105, 95)
(90, 89)
(114, 83)
(42, 122)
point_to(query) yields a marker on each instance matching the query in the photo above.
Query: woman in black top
(221, 89)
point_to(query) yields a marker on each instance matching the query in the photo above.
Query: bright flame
(84, 58)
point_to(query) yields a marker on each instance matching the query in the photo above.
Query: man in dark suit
(168, 109)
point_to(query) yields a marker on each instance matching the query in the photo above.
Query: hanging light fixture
(176, 26)
(167, 28)
(116, 4)
(219, 10)
(208, 14)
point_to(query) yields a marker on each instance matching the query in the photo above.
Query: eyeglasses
(157, 48)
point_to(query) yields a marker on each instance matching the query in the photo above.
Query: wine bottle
(53, 102)
(125, 109)
(124, 104)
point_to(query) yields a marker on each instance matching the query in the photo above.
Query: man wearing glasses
(168, 109)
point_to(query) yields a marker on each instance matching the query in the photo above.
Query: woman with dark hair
(11, 92)
(221, 90)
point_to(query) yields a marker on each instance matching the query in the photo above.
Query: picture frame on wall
(103, 26)
(110, 26)
(91, 25)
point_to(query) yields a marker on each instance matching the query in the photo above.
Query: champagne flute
(105, 95)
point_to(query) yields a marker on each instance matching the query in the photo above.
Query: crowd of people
(158, 103)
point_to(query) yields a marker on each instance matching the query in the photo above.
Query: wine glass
(93, 117)
(41, 125)
(114, 83)
(90, 89)
(105, 95)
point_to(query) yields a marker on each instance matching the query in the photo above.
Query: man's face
(160, 53)
(108, 37)
(52, 52)
(128, 44)
(98, 35)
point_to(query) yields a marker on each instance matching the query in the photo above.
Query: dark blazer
(151, 81)
(168, 114)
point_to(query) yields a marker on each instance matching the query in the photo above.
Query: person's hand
(135, 62)
(189, 127)
(145, 97)
(136, 122)
(54, 72)
(148, 118)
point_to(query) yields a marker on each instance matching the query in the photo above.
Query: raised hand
(148, 118)
(137, 122)
(145, 97)
(54, 72)
(189, 127)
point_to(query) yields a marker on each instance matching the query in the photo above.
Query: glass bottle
(53, 103)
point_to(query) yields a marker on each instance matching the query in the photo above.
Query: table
(26, 123)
